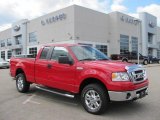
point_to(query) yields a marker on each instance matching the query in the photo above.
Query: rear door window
(45, 53)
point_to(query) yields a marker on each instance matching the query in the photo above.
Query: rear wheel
(94, 98)
(21, 83)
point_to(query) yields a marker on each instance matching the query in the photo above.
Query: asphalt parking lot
(39, 105)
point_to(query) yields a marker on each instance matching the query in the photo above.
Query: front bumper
(128, 95)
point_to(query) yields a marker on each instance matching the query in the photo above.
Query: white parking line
(31, 101)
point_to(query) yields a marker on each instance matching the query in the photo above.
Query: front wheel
(21, 83)
(145, 62)
(94, 98)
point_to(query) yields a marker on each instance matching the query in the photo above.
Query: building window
(33, 51)
(2, 43)
(18, 39)
(9, 54)
(134, 44)
(32, 37)
(3, 54)
(9, 42)
(102, 48)
(18, 51)
(124, 44)
(150, 38)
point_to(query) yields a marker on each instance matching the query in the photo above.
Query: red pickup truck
(71, 69)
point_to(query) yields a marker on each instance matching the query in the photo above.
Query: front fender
(104, 77)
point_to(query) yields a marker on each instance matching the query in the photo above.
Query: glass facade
(9, 54)
(3, 54)
(124, 44)
(32, 37)
(134, 42)
(102, 48)
(33, 51)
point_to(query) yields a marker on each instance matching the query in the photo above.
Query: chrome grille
(137, 73)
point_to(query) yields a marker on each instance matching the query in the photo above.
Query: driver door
(61, 76)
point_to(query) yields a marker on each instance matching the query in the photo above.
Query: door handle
(49, 66)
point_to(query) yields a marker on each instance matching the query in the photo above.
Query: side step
(54, 91)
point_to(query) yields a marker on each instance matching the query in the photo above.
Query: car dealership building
(113, 33)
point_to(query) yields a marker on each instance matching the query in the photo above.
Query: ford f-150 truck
(71, 69)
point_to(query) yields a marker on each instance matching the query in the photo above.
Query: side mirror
(64, 60)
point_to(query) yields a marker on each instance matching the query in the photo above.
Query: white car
(3, 63)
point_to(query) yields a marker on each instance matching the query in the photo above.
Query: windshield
(88, 53)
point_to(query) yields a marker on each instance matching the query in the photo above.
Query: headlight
(145, 75)
(120, 76)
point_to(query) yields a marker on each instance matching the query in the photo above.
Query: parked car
(3, 63)
(71, 69)
(131, 57)
(153, 59)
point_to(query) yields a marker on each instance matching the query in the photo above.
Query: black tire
(124, 60)
(158, 61)
(102, 100)
(145, 62)
(21, 83)
(150, 62)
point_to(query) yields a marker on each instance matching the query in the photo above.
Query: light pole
(138, 34)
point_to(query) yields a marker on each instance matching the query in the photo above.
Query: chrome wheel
(93, 100)
(20, 83)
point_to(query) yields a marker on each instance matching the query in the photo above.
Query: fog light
(128, 95)
(138, 95)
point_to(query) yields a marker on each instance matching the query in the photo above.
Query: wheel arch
(124, 59)
(91, 80)
(19, 70)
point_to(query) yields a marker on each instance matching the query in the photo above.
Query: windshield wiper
(87, 59)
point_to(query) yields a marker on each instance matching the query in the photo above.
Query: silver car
(3, 63)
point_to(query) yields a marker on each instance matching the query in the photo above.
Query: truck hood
(110, 65)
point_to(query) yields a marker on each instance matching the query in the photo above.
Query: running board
(55, 92)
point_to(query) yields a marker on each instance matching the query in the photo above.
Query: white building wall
(149, 25)
(4, 35)
(122, 24)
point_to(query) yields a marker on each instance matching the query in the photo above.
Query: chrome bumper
(128, 95)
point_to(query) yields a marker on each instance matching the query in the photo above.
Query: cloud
(117, 6)
(153, 9)
(5, 26)
(14, 10)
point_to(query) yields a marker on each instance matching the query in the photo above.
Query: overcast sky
(14, 10)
